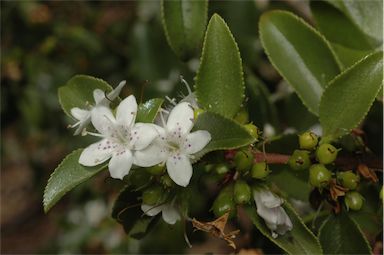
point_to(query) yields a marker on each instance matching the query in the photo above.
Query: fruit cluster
(319, 158)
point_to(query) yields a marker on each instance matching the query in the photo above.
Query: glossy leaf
(300, 240)
(339, 234)
(350, 95)
(226, 133)
(66, 176)
(147, 111)
(184, 23)
(78, 92)
(349, 56)
(300, 54)
(219, 81)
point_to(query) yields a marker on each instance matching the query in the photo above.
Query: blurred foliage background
(45, 43)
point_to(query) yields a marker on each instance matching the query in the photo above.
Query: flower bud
(224, 203)
(242, 192)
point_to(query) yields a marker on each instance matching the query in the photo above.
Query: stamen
(171, 100)
(186, 84)
(106, 96)
(93, 134)
(162, 117)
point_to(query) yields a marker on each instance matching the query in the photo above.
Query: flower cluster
(128, 143)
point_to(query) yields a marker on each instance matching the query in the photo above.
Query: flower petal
(179, 169)
(196, 141)
(96, 153)
(120, 163)
(181, 118)
(267, 198)
(98, 96)
(142, 135)
(80, 114)
(152, 155)
(115, 93)
(103, 120)
(126, 111)
(170, 214)
(151, 210)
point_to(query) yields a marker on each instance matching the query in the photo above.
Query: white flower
(121, 137)
(84, 116)
(169, 213)
(175, 145)
(269, 208)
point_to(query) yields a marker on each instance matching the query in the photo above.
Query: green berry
(197, 112)
(326, 153)
(242, 192)
(319, 176)
(243, 160)
(299, 160)
(242, 116)
(308, 140)
(348, 179)
(221, 168)
(353, 200)
(260, 170)
(152, 195)
(225, 203)
(156, 169)
(252, 130)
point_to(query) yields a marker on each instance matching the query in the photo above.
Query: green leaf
(147, 111)
(184, 23)
(350, 95)
(219, 81)
(66, 176)
(349, 56)
(339, 234)
(226, 133)
(79, 90)
(127, 211)
(300, 240)
(300, 54)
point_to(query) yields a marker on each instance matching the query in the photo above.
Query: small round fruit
(221, 168)
(326, 153)
(299, 160)
(156, 169)
(242, 116)
(308, 140)
(224, 203)
(353, 200)
(319, 176)
(260, 170)
(243, 160)
(242, 192)
(252, 130)
(152, 195)
(348, 179)
(197, 112)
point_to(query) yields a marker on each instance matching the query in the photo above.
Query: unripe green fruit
(156, 169)
(208, 167)
(348, 179)
(242, 116)
(319, 176)
(353, 200)
(152, 195)
(197, 112)
(326, 153)
(308, 140)
(221, 168)
(260, 170)
(299, 160)
(243, 160)
(252, 130)
(166, 180)
(242, 192)
(224, 203)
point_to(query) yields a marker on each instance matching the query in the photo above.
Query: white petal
(181, 118)
(170, 214)
(152, 155)
(268, 198)
(142, 135)
(115, 93)
(151, 210)
(196, 141)
(103, 120)
(120, 163)
(126, 111)
(99, 96)
(96, 153)
(82, 125)
(179, 169)
(80, 114)
(269, 215)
